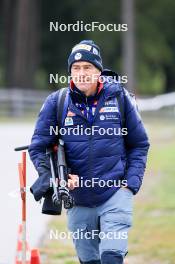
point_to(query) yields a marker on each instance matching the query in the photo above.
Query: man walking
(107, 156)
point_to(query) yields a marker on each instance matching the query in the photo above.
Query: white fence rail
(18, 102)
(157, 102)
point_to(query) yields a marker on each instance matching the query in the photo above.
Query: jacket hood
(111, 84)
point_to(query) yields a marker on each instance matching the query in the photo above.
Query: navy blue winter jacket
(97, 155)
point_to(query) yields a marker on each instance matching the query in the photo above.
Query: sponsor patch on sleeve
(109, 109)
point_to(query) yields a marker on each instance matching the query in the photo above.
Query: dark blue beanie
(86, 50)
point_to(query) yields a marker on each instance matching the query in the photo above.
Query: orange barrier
(23, 254)
(35, 256)
(19, 250)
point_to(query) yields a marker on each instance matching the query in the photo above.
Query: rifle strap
(60, 104)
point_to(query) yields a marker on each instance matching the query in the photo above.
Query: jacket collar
(78, 97)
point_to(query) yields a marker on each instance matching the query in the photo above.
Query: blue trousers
(100, 234)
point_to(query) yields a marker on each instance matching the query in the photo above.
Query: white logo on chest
(102, 117)
(68, 121)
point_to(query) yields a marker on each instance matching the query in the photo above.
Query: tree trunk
(8, 12)
(22, 43)
(169, 79)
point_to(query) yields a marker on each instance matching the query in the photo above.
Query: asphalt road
(12, 135)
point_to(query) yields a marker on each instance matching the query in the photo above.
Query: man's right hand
(73, 181)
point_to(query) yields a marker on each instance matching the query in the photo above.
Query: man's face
(85, 76)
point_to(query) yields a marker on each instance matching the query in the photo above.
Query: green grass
(24, 119)
(152, 238)
(153, 234)
(56, 250)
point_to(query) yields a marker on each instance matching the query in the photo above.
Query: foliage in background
(29, 52)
